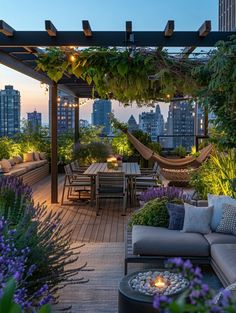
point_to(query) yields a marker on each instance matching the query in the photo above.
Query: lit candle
(160, 282)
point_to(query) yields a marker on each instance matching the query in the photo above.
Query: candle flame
(159, 282)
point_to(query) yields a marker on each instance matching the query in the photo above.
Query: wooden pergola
(19, 49)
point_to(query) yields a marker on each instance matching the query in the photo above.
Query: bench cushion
(158, 241)
(16, 172)
(224, 255)
(215, 238)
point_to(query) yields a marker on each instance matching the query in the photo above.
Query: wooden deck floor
(87, 227)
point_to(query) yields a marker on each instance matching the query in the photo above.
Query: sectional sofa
(150, 244)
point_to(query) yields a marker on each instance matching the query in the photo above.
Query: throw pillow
(17, 159)
(228, 221)
(36, 156)
(5, 165)
(28, 157)
(217, 203)
(197, 219)
(12, 162)
(176, 213)
(42, 155)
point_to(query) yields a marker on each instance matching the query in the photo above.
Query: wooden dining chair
(75, 184)
(111, 185)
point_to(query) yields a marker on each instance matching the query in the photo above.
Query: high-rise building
(9, 111)
(65, 112)
(34, 120)
(101, 115)
(152, 123)
(83, 123)
(132, 124)
(227, 15)
(180, 125)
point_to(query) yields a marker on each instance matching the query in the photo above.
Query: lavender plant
(14, 197)
(198, 298)
(13, 264)
(170, 193)
(45, 235)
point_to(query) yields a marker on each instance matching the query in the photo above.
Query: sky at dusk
(102, 15)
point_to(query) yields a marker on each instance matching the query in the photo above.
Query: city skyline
(151, 17)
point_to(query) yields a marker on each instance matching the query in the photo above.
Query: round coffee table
(130, 301)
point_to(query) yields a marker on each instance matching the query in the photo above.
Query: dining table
(131, 170)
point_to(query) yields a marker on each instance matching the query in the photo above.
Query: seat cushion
(16, 172)
(148, 240)
(224, 255)
(27, 165)
(215, 238)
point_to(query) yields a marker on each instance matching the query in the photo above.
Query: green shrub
(180, 151)
(92, 153)
(121, 145)
(155, 146)
(153, 213)
(8, 148)
(216, 175)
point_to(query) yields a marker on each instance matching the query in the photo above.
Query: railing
(170, 142)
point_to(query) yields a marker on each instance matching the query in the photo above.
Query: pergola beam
(205, 29)
(112, 38)
(50, 28)
(169, 29)
(87, 29)
(187, 51)
(6, 29)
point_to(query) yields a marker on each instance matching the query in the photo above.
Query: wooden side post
(76, 135)
(53, 116)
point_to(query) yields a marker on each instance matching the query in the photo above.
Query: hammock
(166, 163)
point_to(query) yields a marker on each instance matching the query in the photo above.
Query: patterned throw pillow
(217, 203)
(228, 221)
(176, 213)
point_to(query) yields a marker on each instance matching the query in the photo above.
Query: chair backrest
(67, 169)
(155, 167)
(73, 166)
(111, 180)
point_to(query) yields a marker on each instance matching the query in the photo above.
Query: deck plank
(86, 225)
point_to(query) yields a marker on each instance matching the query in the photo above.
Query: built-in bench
(30, 172)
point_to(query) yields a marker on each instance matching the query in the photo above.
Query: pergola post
(53, 116)
(76, 134)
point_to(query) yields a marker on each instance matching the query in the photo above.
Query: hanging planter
(143, 76)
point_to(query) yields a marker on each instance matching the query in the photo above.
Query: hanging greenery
(143, 76)
(218, 78)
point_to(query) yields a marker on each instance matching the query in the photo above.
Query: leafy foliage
(170, 193)
(92, 152)
(8, 148)
(218, 93)
(216, 175)
(121, 75)
(180, 151)
(121, 145)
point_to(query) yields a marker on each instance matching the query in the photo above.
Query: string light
(72, 58)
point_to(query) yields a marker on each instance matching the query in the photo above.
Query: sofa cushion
(158, 241)
(217, 238)
(17, 159)
(228, 221)
(5, 165)
(217, 203)
(12, 162)
(16, 172)
(28, 157)
(42, 155)
(36, 156)
(27, 165)
(197, 219)
(176, 213)
(224, 255)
